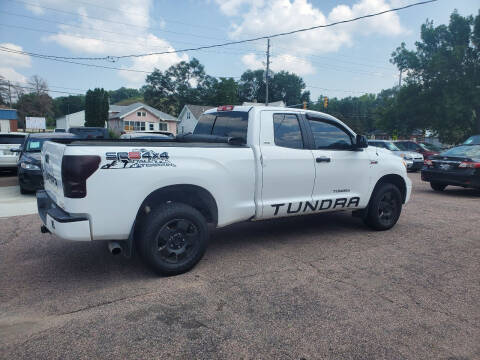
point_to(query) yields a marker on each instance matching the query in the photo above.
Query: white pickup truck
(241, 163)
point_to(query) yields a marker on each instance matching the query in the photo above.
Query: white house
(188, 118)
(71, 120)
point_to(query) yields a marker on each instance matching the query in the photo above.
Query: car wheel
(384, 207)
(173, 238)
(437, 187)
(23, 191)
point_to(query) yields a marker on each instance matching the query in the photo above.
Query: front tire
(384, 207)
(437, 187)
(173, 238)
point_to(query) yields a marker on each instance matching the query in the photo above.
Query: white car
(9, 141)
(241, 163)
(413, 160)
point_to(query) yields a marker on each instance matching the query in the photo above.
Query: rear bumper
(451, 178)
(65, 225)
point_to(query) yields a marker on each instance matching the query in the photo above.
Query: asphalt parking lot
(312, 287)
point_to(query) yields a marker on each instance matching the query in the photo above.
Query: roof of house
(8, 114)
(121, 111)
(198, 110)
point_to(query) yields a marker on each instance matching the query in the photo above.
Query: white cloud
(10, 62)
(266, 17)
(281, 62)
(94, 37)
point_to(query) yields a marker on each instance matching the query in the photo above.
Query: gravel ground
(311, 287)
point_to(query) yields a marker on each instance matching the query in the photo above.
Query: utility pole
(268, 71)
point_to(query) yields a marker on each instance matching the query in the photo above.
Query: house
(139, 117)
(71, 120)
(8, 120)
(188, 118)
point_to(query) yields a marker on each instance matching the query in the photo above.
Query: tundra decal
(137, 158)
(301, 207)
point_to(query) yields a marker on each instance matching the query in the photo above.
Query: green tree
(34, 104)
(63, 105)
(124, 93)
(444, 76)
(96, 107)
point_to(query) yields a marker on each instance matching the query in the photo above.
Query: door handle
(322, 159)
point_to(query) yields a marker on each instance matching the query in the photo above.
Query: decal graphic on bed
(137, 158)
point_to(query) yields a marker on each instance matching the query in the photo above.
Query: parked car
(458, 166)
(147, 135)
(472, 140)
(421, 148)
(241, 163)
(29, 164)
(90, 132)
(9, 141)
(413, 160)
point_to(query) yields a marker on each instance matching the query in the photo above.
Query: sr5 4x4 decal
(137, 158)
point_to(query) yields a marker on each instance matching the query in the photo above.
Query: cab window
(229, 124)
(286, 131)
(329, 136)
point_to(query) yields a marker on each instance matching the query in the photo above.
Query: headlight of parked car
(407, 157)
(28, 166)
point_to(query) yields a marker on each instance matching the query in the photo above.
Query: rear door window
(228, 124)
(286, 131)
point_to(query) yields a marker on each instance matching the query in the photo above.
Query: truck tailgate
(52, 154)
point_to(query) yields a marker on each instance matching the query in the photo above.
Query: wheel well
(193, 195)
(396, 180)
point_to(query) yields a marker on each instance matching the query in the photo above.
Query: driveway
(316, 287)
(12, 203)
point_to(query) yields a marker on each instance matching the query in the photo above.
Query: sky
(344, 60)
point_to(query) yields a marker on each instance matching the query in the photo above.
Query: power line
(110, 58)
(116, 22)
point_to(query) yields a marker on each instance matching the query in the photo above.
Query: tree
(33, 104)
(38, 85)
(68, 104)
(444, 73)
(96, 107)
(251, 86)
(289, 88)
(123, 93)
(180, 84)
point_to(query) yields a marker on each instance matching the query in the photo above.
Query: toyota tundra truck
(160, 197)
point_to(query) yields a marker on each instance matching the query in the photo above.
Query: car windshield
(467, 151)
(35, 144)
(429, 147)
(391, 146)
(472, 140)
(401, 146)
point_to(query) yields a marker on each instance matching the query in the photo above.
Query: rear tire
(173, 239)
(437, 187)
(384, 207)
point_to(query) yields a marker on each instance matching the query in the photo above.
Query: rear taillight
(76, 169)
(469, 165)
(428, 162)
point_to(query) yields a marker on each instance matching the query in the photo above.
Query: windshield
(472, 140)
(401, 146)
(229, 124)
(429, 147)
(391, 146)
(467, 151)
(35, 145)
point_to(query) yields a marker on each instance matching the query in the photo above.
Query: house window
(150, 126)
(144, 113)
(188, 115)
(162, 126)
(139, 113)
(128, 126)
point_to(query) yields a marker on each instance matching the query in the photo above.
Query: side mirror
(361, 142)
(17, 150)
